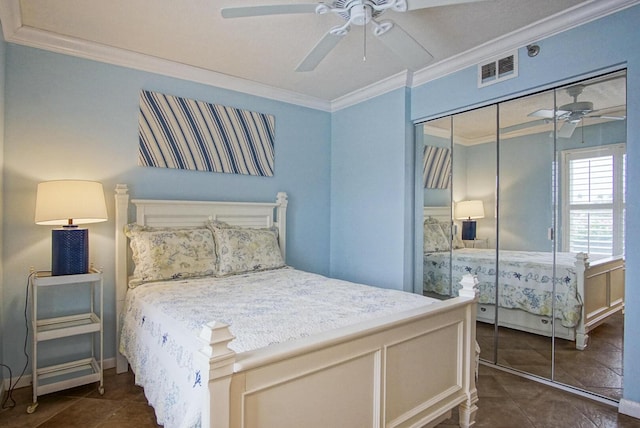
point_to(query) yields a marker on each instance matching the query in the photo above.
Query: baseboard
(25, 380)
(629, 408)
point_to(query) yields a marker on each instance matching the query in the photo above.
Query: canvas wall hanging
(436, 171)
(181, 133)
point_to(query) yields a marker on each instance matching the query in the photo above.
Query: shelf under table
(71, 325)
(68, 375)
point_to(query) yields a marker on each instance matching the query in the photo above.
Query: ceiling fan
(355, 12)
(571, 114)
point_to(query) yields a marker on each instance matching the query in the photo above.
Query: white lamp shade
(469, 209)
(82, 202)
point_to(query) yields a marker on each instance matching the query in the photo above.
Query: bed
(587, 292)
(377, 371)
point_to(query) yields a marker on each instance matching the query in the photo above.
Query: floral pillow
(446, 229)
(241, 250)
(170, 253)
(434, 238)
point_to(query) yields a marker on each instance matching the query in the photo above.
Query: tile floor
(597, 369)
(506, 400)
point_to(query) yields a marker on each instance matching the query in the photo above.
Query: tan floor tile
(86, 412)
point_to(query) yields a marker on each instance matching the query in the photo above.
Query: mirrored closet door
(535, 209)
(590, 183)
(525, 245)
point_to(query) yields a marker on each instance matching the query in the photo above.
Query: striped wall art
(436, 171)
(181, 133)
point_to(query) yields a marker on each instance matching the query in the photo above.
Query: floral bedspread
(161, 321)
(526, 279)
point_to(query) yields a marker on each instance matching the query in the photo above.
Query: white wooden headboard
(175, 213)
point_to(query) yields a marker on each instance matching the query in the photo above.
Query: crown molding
(15, 32)
(388, 84)
(555, 24)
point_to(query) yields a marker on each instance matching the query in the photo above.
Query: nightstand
(477, 243)
(77, 372)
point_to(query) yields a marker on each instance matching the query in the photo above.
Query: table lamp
(468, 211)
(68, 203)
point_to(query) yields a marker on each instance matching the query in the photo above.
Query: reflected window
(594, 208)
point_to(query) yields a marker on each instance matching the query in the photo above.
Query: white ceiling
(190, 39)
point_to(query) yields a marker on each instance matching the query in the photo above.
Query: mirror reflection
(534, 208)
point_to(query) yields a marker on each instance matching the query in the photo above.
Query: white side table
(72, 373)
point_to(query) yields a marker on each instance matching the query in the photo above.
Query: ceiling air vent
(498, 69)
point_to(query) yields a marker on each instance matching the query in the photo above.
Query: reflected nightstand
(477, 243)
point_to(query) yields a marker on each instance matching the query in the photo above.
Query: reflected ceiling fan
(571, 114)
(355, 12)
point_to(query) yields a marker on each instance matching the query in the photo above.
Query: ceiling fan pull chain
(364, 37)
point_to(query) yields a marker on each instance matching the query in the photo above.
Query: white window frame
(618, 152)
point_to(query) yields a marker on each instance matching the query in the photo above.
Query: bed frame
(405, 370)
(600, 285)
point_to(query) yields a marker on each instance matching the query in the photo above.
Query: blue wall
(73, 118)
(372, 192)
(349, 175)
(609, 43)
(525, 187)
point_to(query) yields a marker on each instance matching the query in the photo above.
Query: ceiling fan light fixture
(340, 30)
(400, 6)
(360, 15)
(581, 107)
(382, 27)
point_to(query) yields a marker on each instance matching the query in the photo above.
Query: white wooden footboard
(405, 370)
(601, 285)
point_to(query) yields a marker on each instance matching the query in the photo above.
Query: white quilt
(161, 321)
(527, 279)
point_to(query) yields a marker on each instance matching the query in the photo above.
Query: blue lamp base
(468, 230)
(69, 251)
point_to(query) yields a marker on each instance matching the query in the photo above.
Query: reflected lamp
(68, 203)
(468, 211)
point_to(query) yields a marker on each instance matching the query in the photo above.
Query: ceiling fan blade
(413, 55)
(610, 117)
(525, 125)
(276, 9)
(319, 51)
(609, 113)
(423, 4)
(547, 113)
(566, 131)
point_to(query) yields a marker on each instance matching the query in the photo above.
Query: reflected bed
(586, 292)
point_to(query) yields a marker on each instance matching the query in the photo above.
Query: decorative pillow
(241, 250)
(161, 253)
(446, 229)
(431, 220)
(434, 238)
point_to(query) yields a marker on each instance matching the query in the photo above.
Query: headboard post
(282, 201)
(122, 214)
